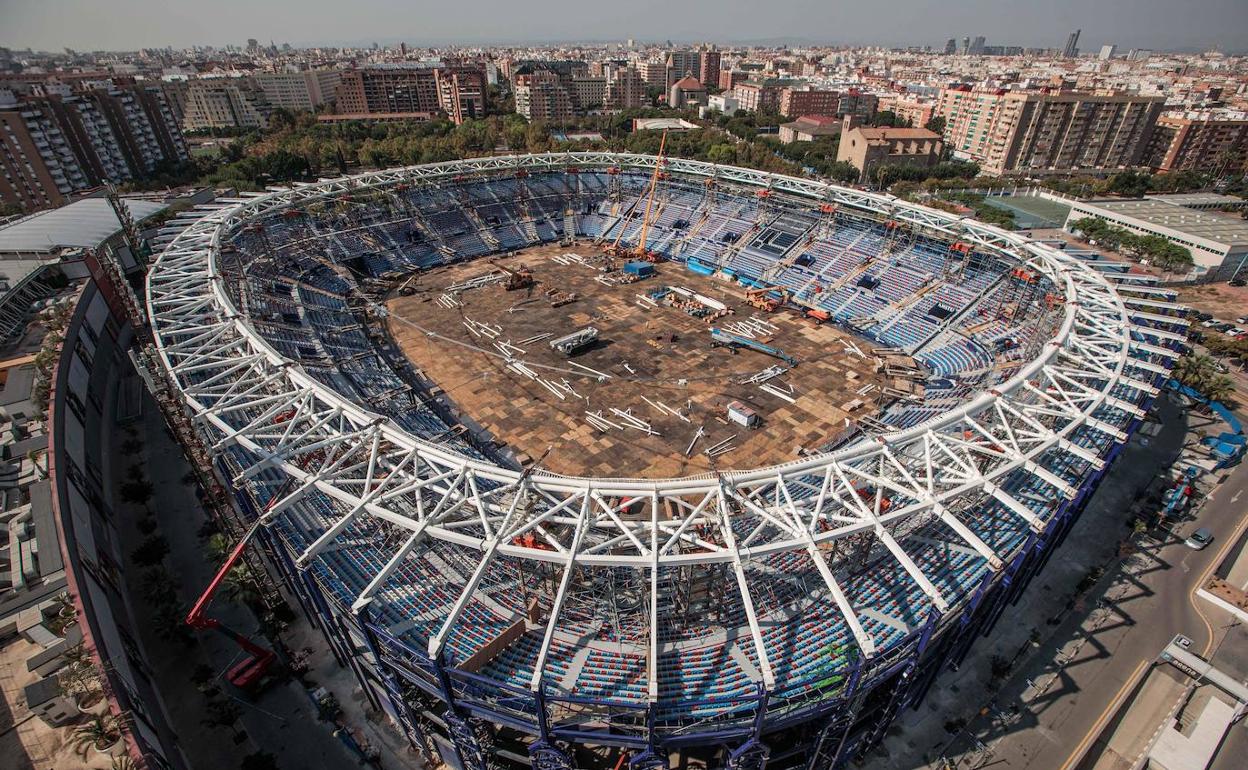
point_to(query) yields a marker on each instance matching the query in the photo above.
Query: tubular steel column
(464, 734)
(543, 752)
(286, 569)
(650, 758)
(411, 727)
(325, 615)
(753, 754)
(1004, 588)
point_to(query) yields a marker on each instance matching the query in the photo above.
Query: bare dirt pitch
(654, 357)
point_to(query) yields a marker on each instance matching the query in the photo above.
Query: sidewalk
(283, 720)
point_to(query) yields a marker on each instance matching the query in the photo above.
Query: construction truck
(818, 317)
(257, 669)
(560, 298)
(576, 341)
(765, 298)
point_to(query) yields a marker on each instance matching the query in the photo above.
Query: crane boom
(248, 673)
(654, 183)
(197, 618)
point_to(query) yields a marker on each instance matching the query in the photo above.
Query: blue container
(639, 269)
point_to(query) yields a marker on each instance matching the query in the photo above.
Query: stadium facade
(779, 616)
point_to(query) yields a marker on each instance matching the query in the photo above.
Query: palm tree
(63, 603)
(1220, 388)
(99, 733)
(66, 614)
(1195, 370)
(79, 677)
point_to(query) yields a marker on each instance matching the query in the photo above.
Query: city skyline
(79, 25)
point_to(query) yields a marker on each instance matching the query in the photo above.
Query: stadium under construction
(764, 593)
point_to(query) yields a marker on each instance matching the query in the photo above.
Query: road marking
(1077, 755)
(1235, 498)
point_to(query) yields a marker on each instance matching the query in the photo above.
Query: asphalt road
(1151, 602)
(1169, 607)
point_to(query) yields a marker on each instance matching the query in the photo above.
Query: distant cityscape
(77, 120)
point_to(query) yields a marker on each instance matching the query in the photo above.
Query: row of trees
(1153, 249)
(1129, 184)
(1229, 347)
(300, 148)
(958, 172)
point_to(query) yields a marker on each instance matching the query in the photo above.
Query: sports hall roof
(85, 223)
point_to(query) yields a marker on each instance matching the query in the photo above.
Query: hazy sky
(131, 24)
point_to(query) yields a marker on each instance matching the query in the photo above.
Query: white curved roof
(85, 224)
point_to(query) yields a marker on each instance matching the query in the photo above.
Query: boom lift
(249, 674)
(721, 338)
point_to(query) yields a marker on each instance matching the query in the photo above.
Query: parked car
(1223, 326)
(1210, 322)
(1199, 539)
(1238, 282)
(1201, 315)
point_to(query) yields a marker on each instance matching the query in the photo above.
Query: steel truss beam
(1061, 408)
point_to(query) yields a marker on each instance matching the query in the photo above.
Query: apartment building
(708, 67)
(54, 146)
(541, 97)
(680, 64)
(763, 94)
(653, 73)
(174, 90)
(588, 93)
(795, 102)
(388, 89)
(914, 111)
(461, 91)
(225, 103)
(37, 168)
(456, 88)
(1038, 133)
(626, 89)
(729, 79)
(1214, 142)
(306, 90)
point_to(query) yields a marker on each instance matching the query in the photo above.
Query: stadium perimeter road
(283, 720)
(1064, 688)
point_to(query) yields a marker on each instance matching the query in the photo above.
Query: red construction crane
(248, 674)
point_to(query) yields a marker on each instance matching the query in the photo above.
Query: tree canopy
(1152, 249)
